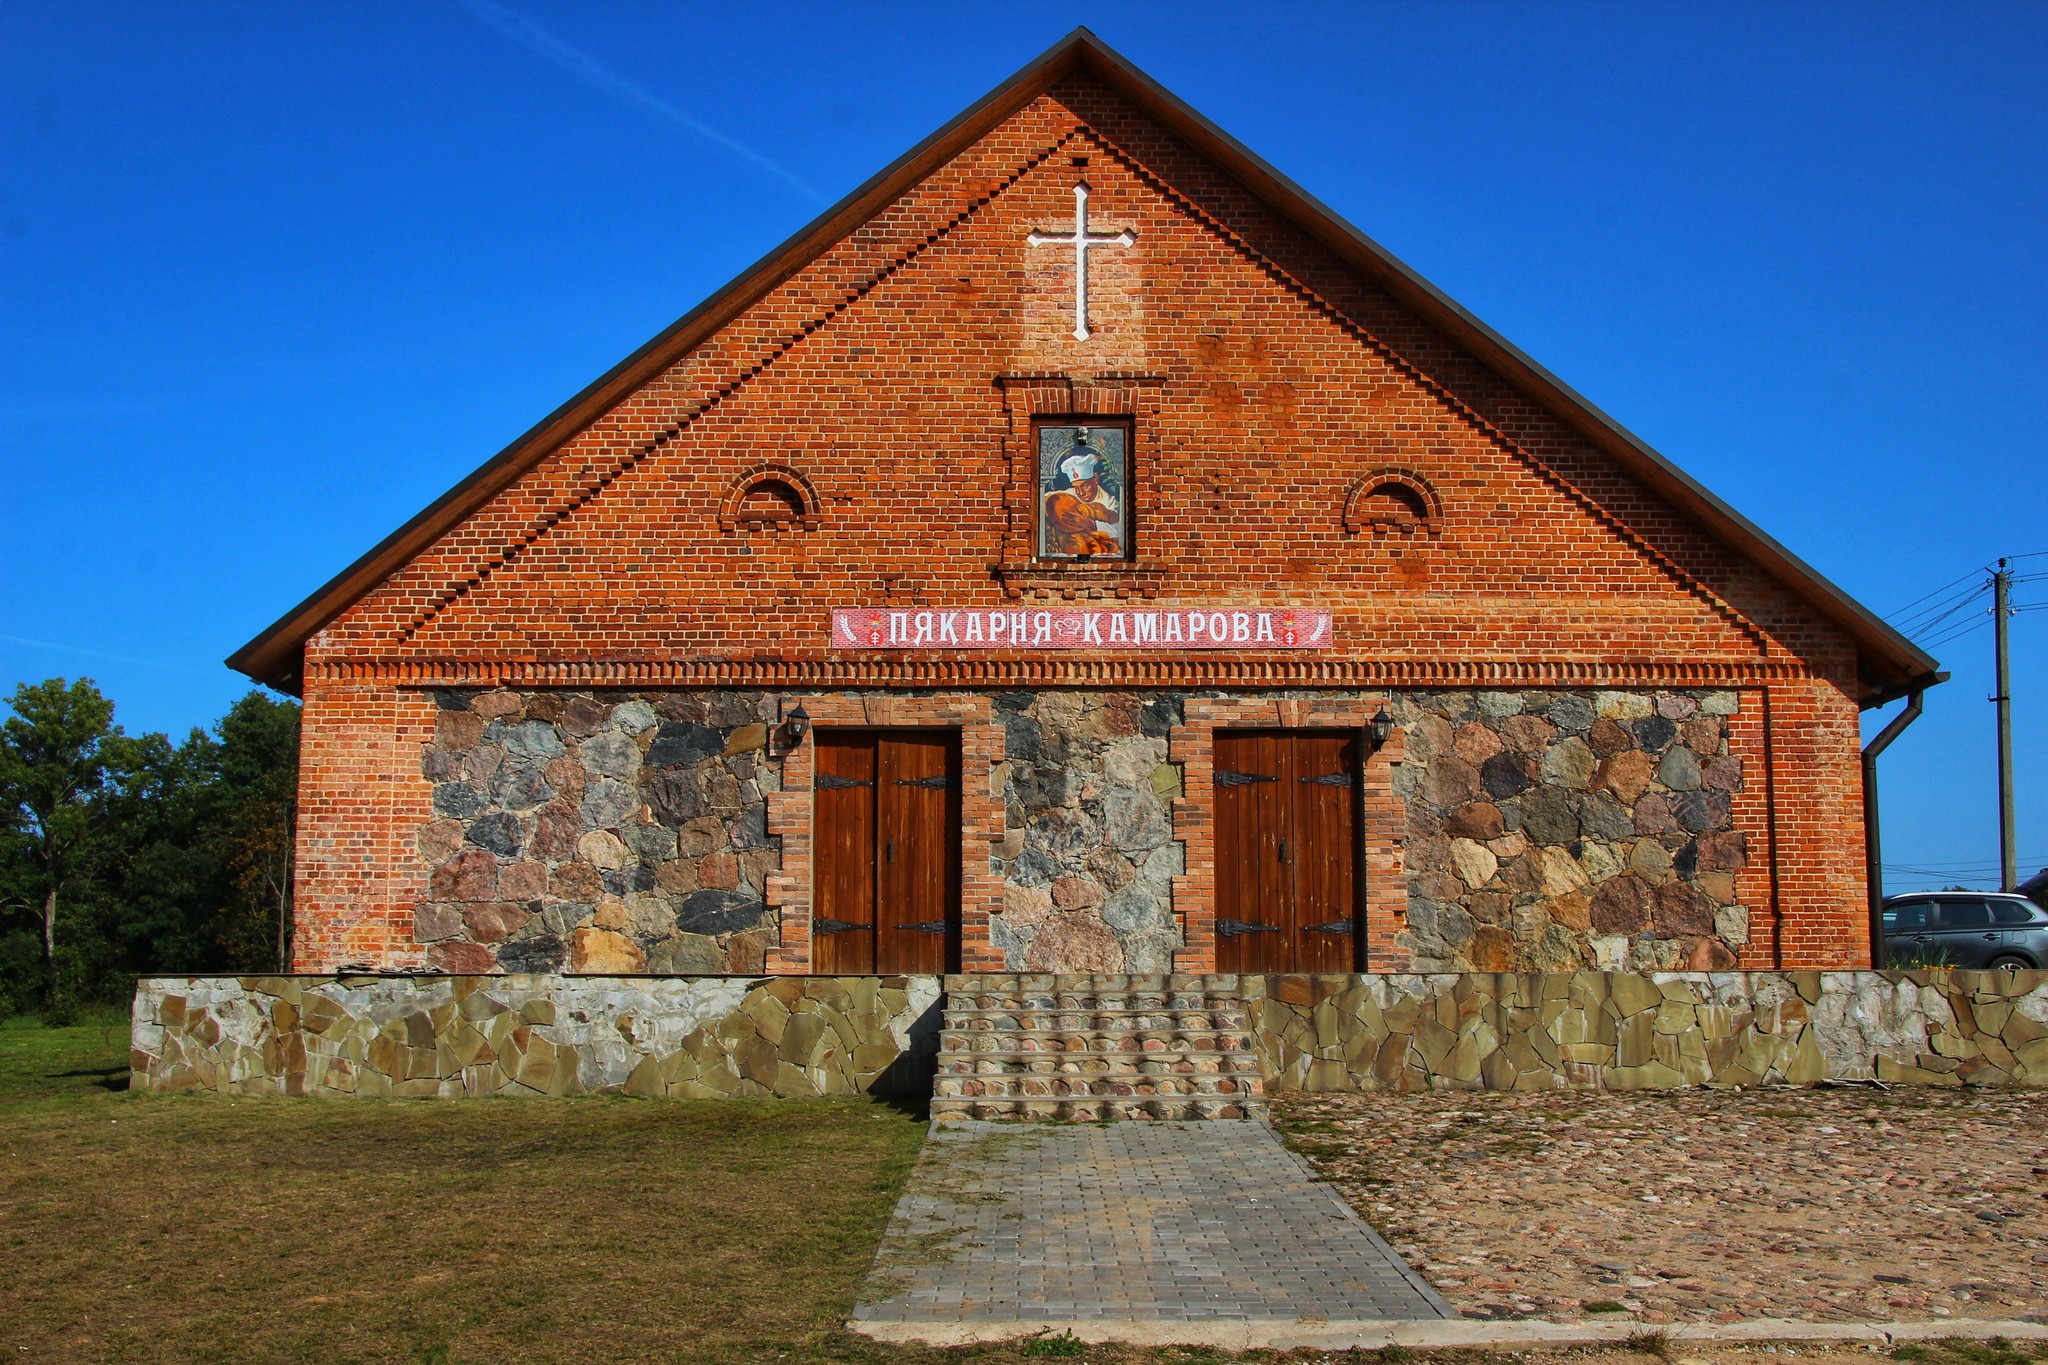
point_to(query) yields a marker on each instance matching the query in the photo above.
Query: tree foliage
(126, 854)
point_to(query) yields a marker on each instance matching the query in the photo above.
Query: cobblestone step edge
(1052, 1089)
(1129, 1109)
(1065, 1064)
(1100, 1021)
(977, 1040)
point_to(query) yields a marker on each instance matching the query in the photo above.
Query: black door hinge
(1231, 928)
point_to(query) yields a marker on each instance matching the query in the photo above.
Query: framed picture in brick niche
(1084, 501)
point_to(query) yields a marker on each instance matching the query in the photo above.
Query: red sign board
(1079, 628)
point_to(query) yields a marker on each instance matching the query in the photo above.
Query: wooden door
(1324, 855)
(1287, 837)
(843, 838)
(887, 839)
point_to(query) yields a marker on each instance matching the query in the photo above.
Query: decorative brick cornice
(1043, 671)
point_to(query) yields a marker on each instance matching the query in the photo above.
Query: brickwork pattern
(1239, 351)
(1269, 384)
(362, 801)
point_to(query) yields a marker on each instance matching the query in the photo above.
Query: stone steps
(1086, 1048)
(1199, 1041)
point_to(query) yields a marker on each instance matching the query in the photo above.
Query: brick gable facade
(1300, 437)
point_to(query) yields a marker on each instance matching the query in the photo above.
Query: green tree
(56, 752)
(252, 831)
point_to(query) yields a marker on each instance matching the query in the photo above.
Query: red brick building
(1210, 594)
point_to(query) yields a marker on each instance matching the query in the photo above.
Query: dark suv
(1966, 929)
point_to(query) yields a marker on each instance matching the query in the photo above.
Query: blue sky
(272, 277)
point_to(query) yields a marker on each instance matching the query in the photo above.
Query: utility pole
(2008, 846)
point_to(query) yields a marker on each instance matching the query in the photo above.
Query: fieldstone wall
(598, 832)
(1559, 830)
(1656, 1031)
(1089, 864)
(446, 1037)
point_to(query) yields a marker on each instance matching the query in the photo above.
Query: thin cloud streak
(103, 657)
(590, 71)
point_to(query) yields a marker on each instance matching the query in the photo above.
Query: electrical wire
(1937, 592)
(1929, 620)
(1944, 603)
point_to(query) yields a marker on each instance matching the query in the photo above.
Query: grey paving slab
(1179, 1222)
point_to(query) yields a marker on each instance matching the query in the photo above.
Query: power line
(1964, 863)
(1906, 619)
(1954, 633)
(1942, 589)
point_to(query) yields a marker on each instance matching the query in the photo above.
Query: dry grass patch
(154, 1228)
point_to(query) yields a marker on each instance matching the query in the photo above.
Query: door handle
(1991, 938)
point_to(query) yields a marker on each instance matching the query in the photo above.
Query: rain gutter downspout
(1873, 846)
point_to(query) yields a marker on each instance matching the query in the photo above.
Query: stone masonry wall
(1655, 1031)
(1088, 869)
(1558, 830)
(598, 832)
(446, 1037)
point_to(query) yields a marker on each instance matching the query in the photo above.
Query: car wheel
(2012, 962)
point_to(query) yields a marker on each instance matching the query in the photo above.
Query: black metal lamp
(1382, 727)
(795, 726)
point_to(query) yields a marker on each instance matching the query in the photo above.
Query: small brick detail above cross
(1081, 239)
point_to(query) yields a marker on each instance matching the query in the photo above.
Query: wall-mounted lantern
(794, 727)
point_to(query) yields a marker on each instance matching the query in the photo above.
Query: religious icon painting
(1083, 491)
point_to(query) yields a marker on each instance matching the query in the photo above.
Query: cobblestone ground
(1825, 1205)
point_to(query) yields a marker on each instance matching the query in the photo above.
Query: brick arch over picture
(1393, 499)
(770, 495)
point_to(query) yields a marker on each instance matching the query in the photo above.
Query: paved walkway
(1173, 1223)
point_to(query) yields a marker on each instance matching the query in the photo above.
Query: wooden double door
(887, 848)
(1287, 851)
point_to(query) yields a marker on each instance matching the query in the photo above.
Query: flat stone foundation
(1648, 1031)
(439, 1037)
(452, 1036)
